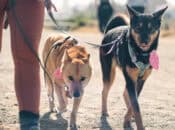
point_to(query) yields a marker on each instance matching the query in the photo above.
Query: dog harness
(140, 65)
(124, 37)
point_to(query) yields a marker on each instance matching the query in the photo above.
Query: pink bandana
(154, 60)
(57, 74)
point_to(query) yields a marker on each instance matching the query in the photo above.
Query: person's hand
(49, 5)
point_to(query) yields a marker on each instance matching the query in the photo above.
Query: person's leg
(27, 80)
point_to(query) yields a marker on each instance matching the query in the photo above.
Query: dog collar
(140, 65)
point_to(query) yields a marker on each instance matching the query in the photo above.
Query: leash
(30, 46)
(11, 5)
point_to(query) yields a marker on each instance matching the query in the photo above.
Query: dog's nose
(146, 40)
(76, 94)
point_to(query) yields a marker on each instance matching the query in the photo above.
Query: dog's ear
(89, 56)
(159, 13)
(132, 12)
(66, 57)
(74, 41)
(86, 60)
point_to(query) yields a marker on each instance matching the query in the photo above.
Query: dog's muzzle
(76, 88)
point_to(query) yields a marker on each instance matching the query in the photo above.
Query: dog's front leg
(50, 94)
(76, 104)
(131, 76)
(62, 103)
(130, 114)
(134, 106)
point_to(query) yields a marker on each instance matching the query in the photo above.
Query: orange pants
(27, 79)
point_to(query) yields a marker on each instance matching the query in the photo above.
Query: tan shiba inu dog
(69, 72)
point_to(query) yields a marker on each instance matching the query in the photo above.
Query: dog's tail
(118, 20)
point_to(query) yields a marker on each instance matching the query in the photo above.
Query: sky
(171, 2)
(72, 3)
(59, 3)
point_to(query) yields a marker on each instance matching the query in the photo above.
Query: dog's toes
(54, 110)
(127, 125)
(73, 126)
(105, 114)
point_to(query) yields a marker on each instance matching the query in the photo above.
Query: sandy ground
(157, 99)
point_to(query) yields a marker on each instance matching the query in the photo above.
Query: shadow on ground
(104, 123)
(53, 121)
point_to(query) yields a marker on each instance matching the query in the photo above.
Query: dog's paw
(73, 125)
(143, 128)
(129, 128)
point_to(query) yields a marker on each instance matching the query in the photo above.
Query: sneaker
(28, 120)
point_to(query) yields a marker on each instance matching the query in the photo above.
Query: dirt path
(157, 100)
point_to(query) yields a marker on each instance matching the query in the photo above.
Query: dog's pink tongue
(154, 60)
(57, 74)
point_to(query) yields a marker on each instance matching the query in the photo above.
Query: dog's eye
(70, 78)
(153, 30)
(137, 29)
(82, 78)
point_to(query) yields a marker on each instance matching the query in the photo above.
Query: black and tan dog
(70, 71)
(131, 51)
